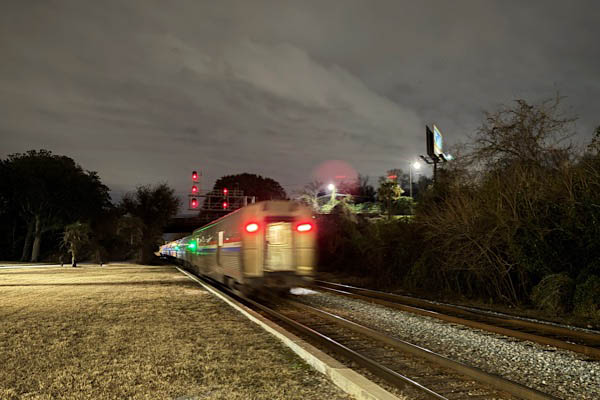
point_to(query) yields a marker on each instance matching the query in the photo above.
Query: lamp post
(331, 187)
(416, 165)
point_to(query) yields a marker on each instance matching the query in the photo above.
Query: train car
(271, 244)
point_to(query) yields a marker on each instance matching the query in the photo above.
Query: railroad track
(583, 342)
(416, 371)
(420, 372)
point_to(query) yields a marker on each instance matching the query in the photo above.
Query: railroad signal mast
(195, 191)
(216, 200)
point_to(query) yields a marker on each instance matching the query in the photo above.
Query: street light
(331, 188)
(416, 165)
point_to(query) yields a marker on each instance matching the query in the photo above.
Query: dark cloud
(147, 91)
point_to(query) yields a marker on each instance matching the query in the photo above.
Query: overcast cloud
(146, 91)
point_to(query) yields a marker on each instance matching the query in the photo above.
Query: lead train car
(270, 244)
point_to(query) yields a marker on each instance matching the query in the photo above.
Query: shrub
(587, 298)
(554, 294)
(381, 250)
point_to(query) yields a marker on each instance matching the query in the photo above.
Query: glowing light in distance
(194, 189)
(416, 165)
(225, 191)
(194, 176)
(194, 203)
(331, 187)
(251, 227)
(192, 246)
(225, 205)
(304, 227)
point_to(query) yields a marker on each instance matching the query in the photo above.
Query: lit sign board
(438, 143)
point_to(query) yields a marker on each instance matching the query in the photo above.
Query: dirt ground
(137, 332)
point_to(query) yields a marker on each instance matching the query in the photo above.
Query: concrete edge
(345, 378)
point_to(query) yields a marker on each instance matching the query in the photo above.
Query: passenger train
(267, 245)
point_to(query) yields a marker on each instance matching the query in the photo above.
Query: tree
(594, 146)
(423, 183)
(309, 194)
(50, 191)
(11, 223)
(153, 206)
(76, 236)
(520, 210)
(360, 190)
(388, 193)
(401, 178)
(252, 185)
(528, 134)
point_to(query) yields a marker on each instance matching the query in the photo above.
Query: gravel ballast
(561, 373)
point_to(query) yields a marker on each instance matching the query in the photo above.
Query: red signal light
(195, 176)
(225, 191)
(225, 205)
(194, 189)
(194, 203)
(306, 227)
(251, 227)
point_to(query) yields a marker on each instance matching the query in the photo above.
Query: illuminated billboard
(438, 142)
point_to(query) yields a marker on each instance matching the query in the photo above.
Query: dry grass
(137, 332)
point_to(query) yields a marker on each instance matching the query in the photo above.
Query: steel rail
(376, 368)
(495, 381)
(391, 300)
(505, 319)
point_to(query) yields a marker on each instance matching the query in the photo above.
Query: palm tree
(389, 191)
(76, 236)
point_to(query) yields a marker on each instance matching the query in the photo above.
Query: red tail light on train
(251, 227)
(306, 227)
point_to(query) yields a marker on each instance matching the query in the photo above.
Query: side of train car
(270, 244)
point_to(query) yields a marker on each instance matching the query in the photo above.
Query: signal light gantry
(227, 200)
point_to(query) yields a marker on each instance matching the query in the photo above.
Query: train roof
(265, 205)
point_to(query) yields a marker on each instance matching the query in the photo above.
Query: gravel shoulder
(561, 373)
(129, 331)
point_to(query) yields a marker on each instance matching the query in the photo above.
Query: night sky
(146, 91)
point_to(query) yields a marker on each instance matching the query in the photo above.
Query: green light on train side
(192, 246)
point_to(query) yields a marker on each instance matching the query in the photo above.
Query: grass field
(136, 332)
